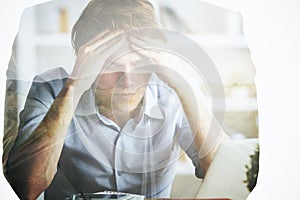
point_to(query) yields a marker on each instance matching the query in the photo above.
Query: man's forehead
(130, 56)
(135, 60)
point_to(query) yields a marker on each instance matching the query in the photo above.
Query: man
(106, 126)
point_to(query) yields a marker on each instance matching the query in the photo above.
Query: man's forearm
(208, 132)
(32, 165)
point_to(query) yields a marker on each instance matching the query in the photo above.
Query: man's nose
(125, 80)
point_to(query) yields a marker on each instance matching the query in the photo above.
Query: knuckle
(83, 50)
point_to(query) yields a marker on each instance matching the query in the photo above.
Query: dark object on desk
(108, 195)
(96, 196)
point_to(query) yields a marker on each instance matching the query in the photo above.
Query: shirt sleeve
(186, 142)
(39, 99)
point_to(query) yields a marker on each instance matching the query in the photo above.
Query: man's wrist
(74, 86)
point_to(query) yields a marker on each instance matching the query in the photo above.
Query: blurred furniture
(225, 177)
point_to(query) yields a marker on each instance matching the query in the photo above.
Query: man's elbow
(26, 187)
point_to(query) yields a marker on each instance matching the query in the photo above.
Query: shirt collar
(86, 105)
(152, 109)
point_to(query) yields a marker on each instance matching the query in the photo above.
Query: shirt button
(119, 173)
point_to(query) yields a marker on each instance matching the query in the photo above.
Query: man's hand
(91, 58)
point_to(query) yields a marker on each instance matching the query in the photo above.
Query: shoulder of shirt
(57, 73)
(50, 82)
(166, 96)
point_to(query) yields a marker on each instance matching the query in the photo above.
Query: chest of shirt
(147, 144)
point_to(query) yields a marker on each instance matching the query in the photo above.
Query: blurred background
(44, 42)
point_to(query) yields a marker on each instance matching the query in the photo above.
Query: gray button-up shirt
(98, 155)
